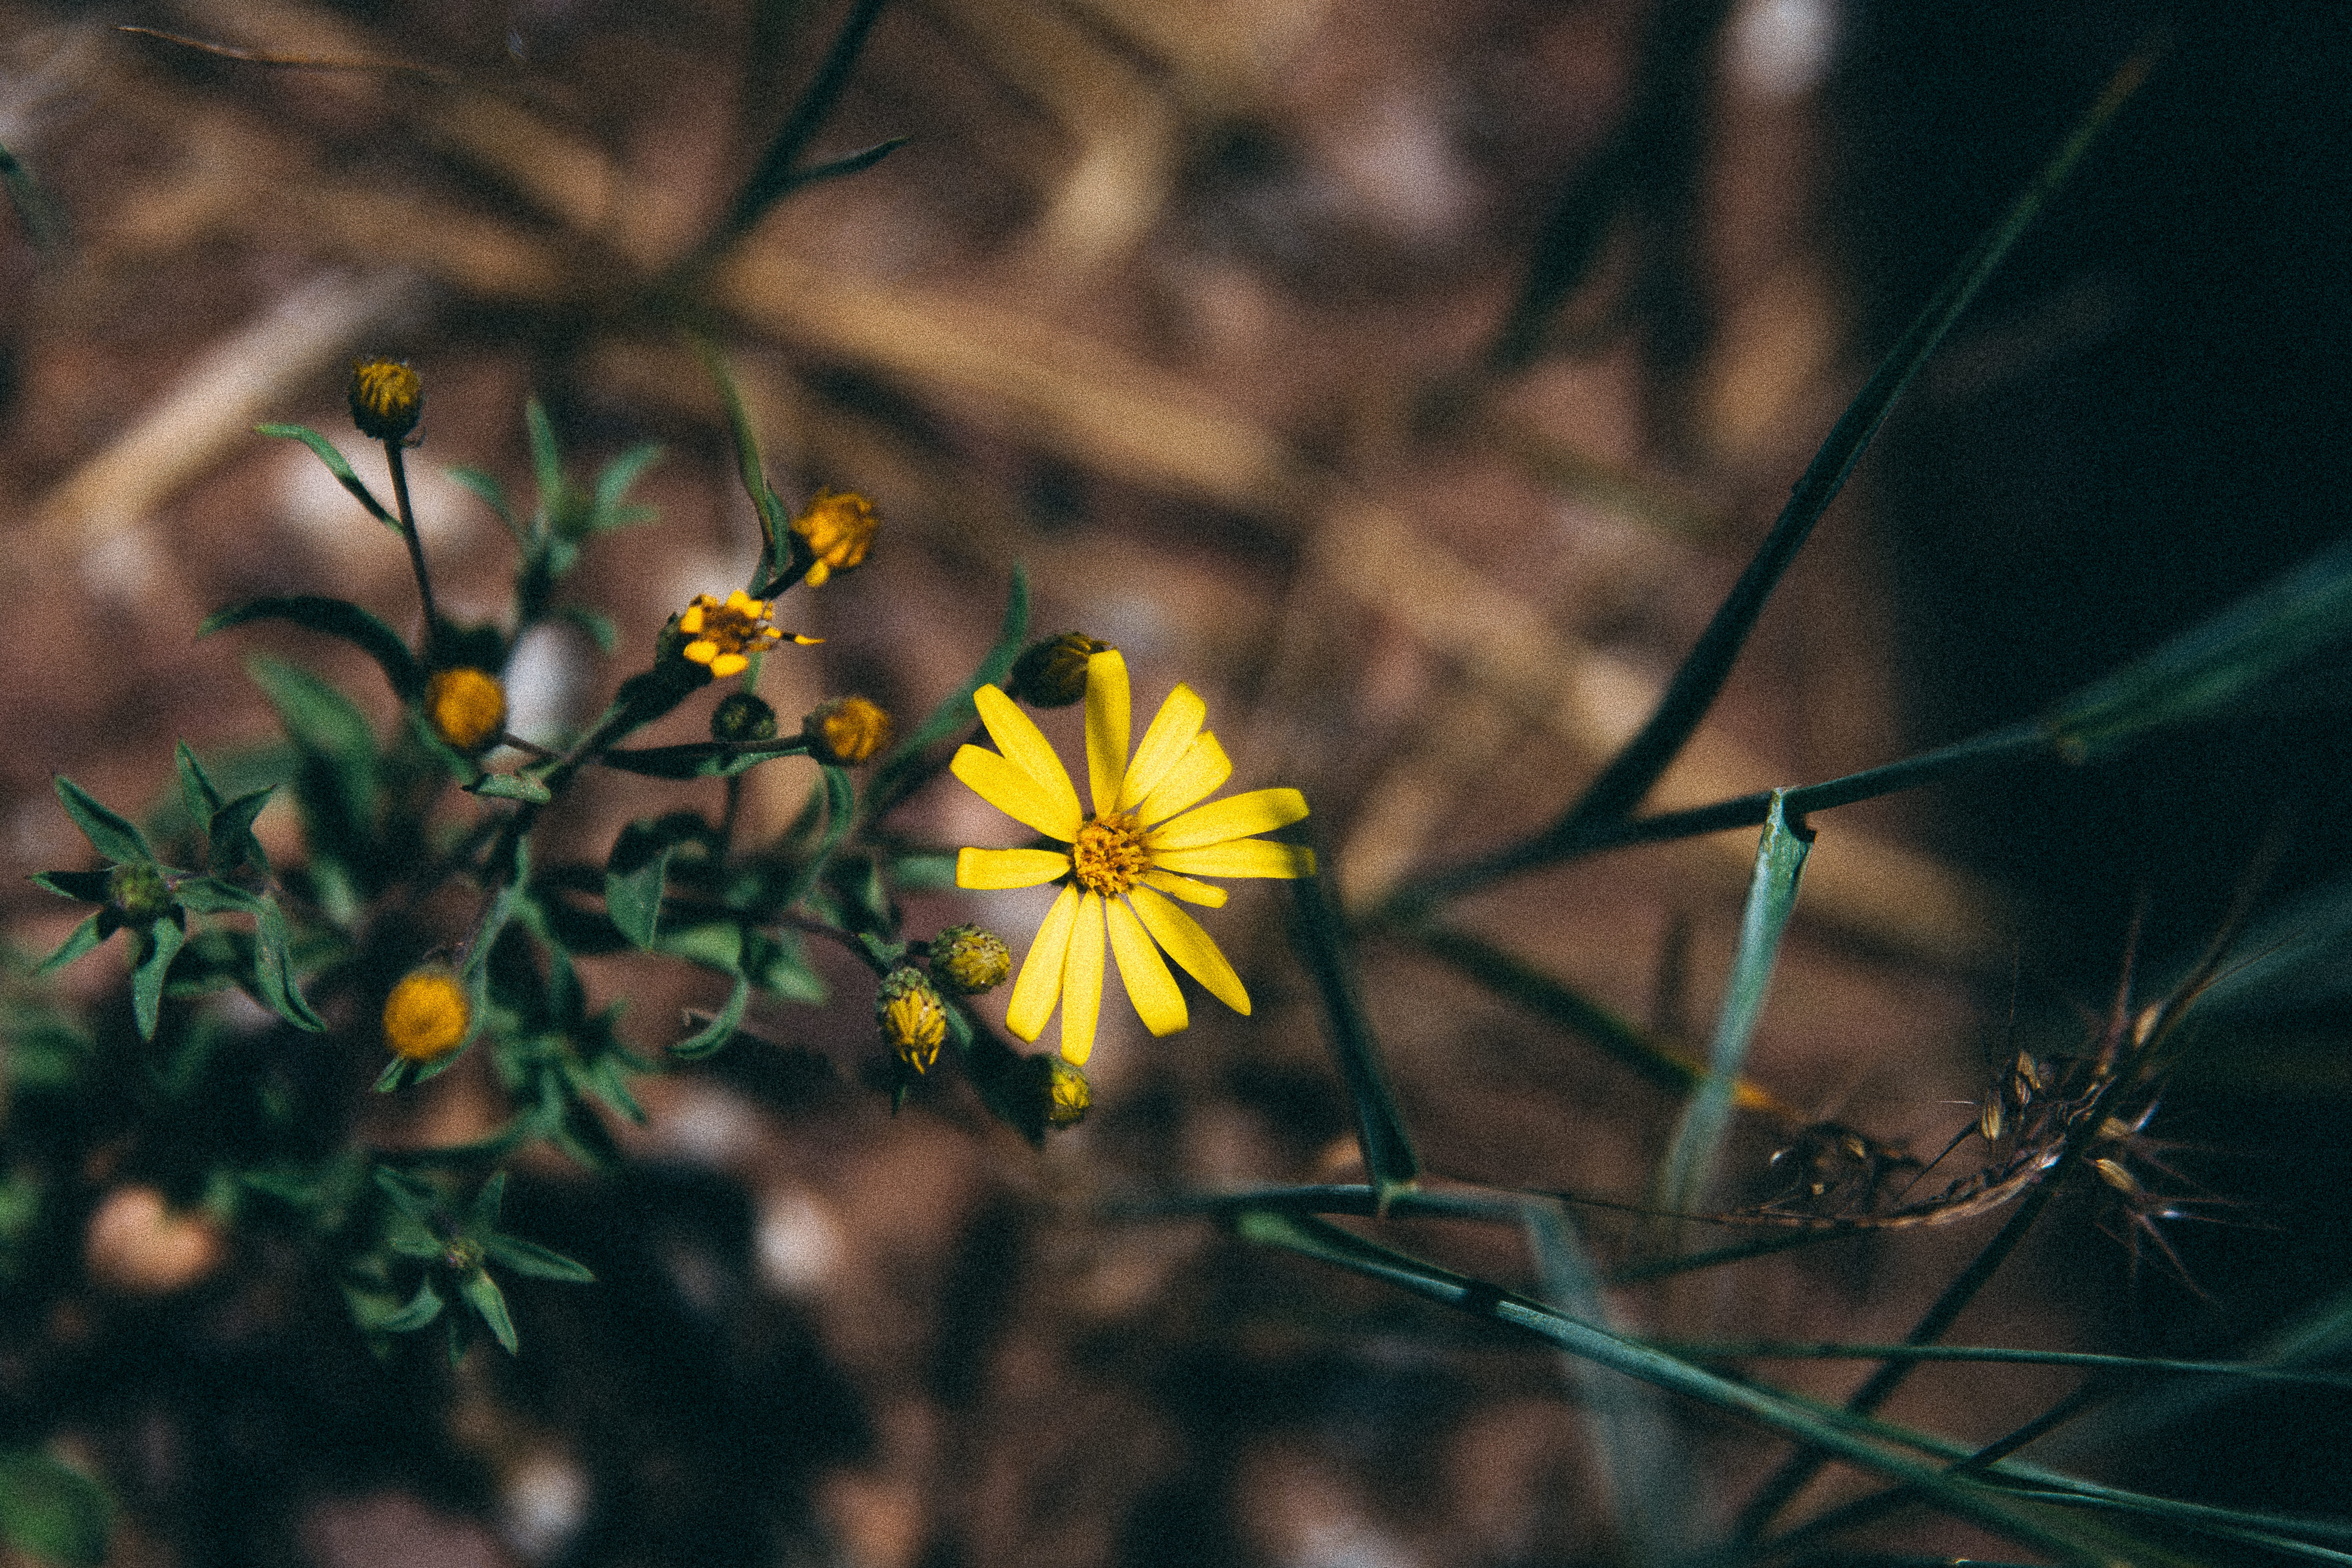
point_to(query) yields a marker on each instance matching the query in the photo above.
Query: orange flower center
(1110, 856)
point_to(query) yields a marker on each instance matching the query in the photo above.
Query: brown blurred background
(1410, 380)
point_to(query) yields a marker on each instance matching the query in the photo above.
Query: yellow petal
(1009, 868)
(1149, 984)
(727, 664)
(1190, 946)
(1082, 978)
(1236, 857)
(1183, 887)
(1236, 817)
(1025, 746)
(1040, 985)
(1164, 745)
(1107, 715)
(1191, 781)
(817, 572)
(1011, 788)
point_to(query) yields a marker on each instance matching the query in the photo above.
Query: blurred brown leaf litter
(1190, 307)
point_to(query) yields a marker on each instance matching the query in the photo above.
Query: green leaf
(196, 791)
(50, 1510)
(636, 870)
(854, 164)
(508, 897)
(421, 1310)
(613, 484)
(111, 834)
(1690, 1160)
(778, 171)
(595, 622)
(160, 944)
(336, 618)
(482, 1294)
(83, 937)
(546, 456)
(523, 787)
(718, 945)
(701, 759)
(334, 736)
(231, 843)
(1321, 937)
(779, 965)
(88, 886)
(775, 530)
(722, 1028)
(538, 1262)
(493, 495)
(273, 975)
(338, 465)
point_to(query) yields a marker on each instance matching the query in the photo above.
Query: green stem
(392, 451)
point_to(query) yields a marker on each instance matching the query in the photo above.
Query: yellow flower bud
(970, 959)
(387, 398)
(1052, 673)
(912, 1017)
(1066, 1094)
(426, 1015)
(467, 708)
(848, 730)
(838, 530)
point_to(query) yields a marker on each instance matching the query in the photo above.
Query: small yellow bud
(740, 716)
(387, 397)
(467, 708)
(426, 1015)
(848, 730)
(139, 893)
(970, 959)
(838, 530)
(1066, 1094)
(1052, 673)
(912, 1017)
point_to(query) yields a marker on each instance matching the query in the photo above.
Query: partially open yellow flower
(386, 396)
(467, 708)
(839, 529)
(848, 730)
(426, 1015)
(912, 1019)
(724, 634)
(1128, 860)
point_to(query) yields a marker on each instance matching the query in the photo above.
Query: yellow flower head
(839, 530)
(426, 1015)
(387, 397)
(1148, 838)
(970, 959)
(724, 636)
(848, 730)
(467, 708)
(912, 1018)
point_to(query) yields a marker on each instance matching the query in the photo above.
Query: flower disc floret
(467, 708)
(426, 1015)
(724, 635)
(1143, 847)
(838, 529)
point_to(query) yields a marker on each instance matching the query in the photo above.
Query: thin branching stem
(392, 451)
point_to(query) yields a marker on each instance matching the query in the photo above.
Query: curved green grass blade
(1322, 940)
(1690, 1161)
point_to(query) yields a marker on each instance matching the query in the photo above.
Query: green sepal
(482, 1294)
(487, 1202)
(158, 946)
(111, 834)
(394, 1077)
(83, 937)
(338, 465)
(335, 618)
(538, 1262)
(637, 869)
(90, 886)
(52, 1511)
(523, 786)
(412, 1198)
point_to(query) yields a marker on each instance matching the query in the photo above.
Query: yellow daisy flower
(1148, 838)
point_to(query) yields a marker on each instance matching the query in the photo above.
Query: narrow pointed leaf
(109, 831)
(493, 495)
(525, 787)
(336, 618)
(51, 1511)
(636, 872)
(1320, 934)
(721, 1027)
(1690, 1160)
(538, 1262)
(90, 886)
(482, 1294)
(83, 937)
(338, 465)
(163, 940)
(196, 791)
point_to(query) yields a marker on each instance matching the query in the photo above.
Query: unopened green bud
(139, 893)
(970, 960)
(740, 716)
(912, 1018)
(1052, 673)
